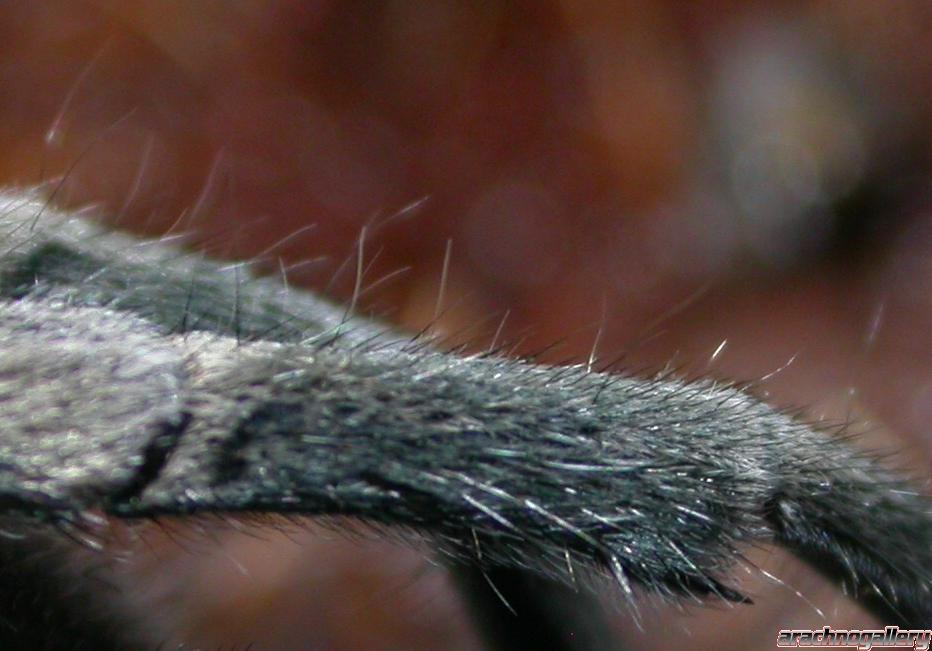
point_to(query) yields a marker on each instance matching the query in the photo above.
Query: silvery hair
(140, 381)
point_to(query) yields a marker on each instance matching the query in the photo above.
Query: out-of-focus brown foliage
(655, 176)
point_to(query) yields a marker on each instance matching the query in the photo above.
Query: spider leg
(199, 389)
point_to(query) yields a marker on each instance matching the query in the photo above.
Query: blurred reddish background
(652, 179)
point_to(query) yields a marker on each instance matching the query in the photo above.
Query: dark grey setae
(142, 381)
